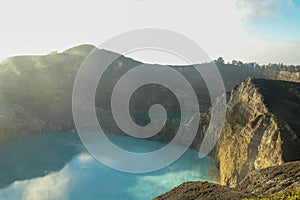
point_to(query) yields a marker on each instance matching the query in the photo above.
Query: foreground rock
(264, 183)
(203, 190)
(272, 180)
(261, 130)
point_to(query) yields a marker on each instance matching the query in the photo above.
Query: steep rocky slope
(264, 183)
(261, 129)
(282, 75)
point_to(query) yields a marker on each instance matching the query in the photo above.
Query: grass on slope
(287, 196)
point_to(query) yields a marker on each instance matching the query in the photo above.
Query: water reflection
(36, 156)
(82, 177)
(52, 186)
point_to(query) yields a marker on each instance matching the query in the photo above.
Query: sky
(249, 30)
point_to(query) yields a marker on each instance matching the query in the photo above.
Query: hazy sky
(249, 30)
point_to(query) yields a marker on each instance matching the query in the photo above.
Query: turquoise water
(56, 166)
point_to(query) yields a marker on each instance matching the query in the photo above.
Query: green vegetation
(295, 195)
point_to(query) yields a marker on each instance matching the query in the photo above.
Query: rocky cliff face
(282, 75)
(261, 128)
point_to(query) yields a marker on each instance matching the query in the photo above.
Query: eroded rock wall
(254, 137)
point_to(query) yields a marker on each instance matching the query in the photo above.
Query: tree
(220, 60)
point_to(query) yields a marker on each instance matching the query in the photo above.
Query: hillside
(29, 84)
(35, 93)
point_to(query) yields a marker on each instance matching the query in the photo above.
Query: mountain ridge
(29, 83)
